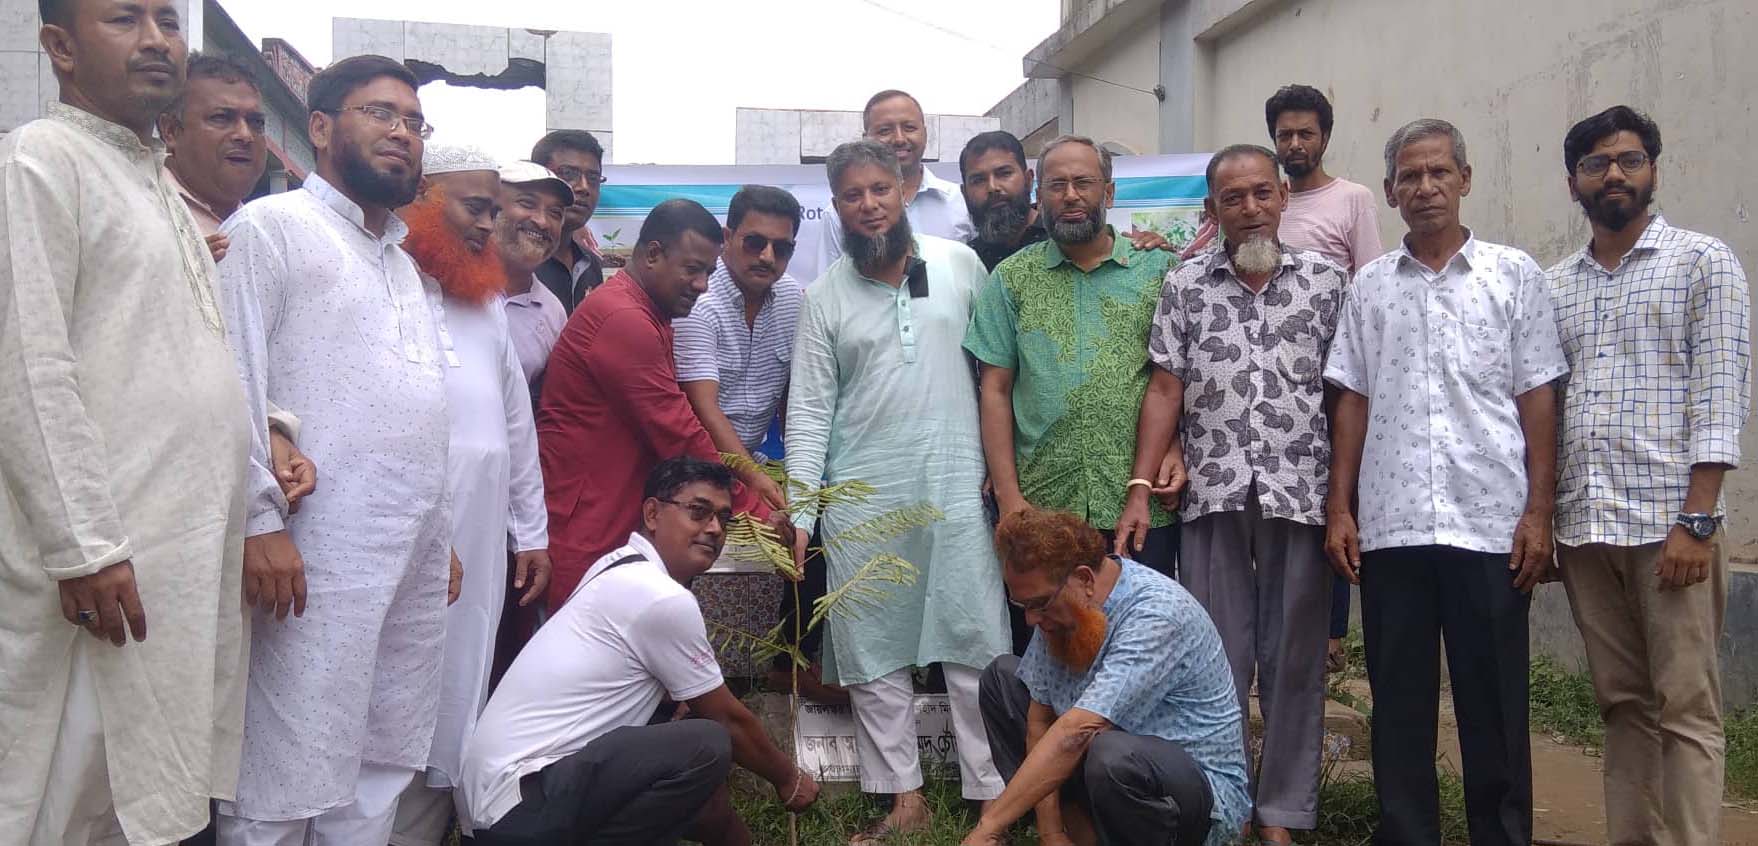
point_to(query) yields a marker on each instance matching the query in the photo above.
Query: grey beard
(884, 248)
(1003, 223)
(1256, 257)
(1078, 231)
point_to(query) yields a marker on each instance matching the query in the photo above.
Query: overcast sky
(681, 67)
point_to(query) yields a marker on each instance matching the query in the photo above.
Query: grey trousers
(1140, 791)
(1267, 585)
(636, 786)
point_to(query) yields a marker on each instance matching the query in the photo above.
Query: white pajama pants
(366, 820)
(424, 815)
(885, 733)
(77, 809)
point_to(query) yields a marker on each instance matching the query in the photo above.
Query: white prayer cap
(526, 173)
(443, 158)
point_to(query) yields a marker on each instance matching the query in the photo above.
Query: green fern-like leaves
(891, 524)
(761, 648)
(866, 590)
(756, 541)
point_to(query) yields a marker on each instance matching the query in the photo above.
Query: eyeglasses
(1038, 605)
(576, 176)
(754, 244)
(384, 118)
(1628, 161)
(1082, 185)
(700, 513)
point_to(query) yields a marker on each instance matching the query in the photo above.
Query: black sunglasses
(754, 244)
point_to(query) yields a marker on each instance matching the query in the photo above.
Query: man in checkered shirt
(1656, 326)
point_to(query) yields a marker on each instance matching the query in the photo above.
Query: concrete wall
(796, 136)
(1031, 111)
(1108, 112)
(27, 81)
(577, 65)
(1513, 75)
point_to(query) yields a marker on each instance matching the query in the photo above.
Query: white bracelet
(1143, 482)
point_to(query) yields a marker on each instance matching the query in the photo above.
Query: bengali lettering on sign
(824, 737)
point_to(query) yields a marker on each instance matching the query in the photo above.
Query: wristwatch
(1701, 526)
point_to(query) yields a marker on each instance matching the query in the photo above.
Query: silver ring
(87, 617)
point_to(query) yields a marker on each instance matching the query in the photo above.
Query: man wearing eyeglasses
(1061, 330)
(578, 744)
(1656, 325)
(328, 319)
(576, 269)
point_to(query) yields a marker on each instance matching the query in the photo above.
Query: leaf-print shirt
(1251, 364)
(1440, 358)
(1077, 342)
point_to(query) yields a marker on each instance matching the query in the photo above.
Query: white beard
(1257, 257)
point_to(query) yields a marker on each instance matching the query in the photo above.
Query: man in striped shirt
(1656, 324)
(734, 348)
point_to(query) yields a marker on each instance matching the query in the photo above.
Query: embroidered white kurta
(497, 504)
(332, 323)
(123, 437)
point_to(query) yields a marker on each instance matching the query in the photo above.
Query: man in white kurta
(492, 473)
(329, 320)
(123, 442)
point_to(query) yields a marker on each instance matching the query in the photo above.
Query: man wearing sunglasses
(734, 347)
(1656, 325)
(578, 743)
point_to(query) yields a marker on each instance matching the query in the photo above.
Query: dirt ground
(1568, 792)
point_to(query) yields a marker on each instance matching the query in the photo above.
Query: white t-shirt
(625, 638)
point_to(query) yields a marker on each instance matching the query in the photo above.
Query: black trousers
(1413, 598)
(813, 585)
(636, 786)
(1140, 791)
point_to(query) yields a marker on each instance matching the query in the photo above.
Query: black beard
(379, 189)
(1299, 170)
(1079, 231)
(1003, 222)
(885, 248)
(1616, 215)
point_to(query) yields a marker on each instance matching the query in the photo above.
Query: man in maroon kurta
(612, 409)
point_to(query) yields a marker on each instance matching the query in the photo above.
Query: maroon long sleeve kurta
(611, 411)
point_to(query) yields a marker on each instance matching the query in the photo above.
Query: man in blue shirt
(1120, 722)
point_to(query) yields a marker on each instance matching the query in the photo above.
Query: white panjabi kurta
(333, 324)
(123, 437)
(497, 504)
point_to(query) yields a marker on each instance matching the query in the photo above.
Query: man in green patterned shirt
(1061, 330)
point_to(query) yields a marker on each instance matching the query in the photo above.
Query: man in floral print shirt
(1238, 343)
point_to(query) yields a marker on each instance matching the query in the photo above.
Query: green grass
(1563, 704)
(1742, 753)
(1348, 811)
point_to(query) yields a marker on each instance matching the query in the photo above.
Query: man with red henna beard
(492, 472)
(1119, 725)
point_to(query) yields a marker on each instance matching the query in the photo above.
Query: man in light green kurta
(123, 448)
(881, 391)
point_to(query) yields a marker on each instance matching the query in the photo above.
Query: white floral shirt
(1441, 357)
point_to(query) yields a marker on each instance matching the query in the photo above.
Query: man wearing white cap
(492, 475)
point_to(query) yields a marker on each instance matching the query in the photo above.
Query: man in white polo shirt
(575, 746)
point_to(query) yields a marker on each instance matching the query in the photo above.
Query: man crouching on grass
(1120, 722)
(573, 746)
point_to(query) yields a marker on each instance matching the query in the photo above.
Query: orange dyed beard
(474, 277)
(1079, 648)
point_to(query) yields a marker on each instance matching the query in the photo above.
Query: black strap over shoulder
(615, 564)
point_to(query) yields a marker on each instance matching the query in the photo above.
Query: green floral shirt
(1077, 342)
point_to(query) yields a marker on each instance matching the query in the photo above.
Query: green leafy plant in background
(756, 542)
